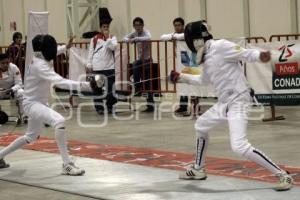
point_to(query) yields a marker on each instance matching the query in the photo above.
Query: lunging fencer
(11, 83)
(222, 68)
(39, 78)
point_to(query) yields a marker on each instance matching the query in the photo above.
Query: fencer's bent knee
(59, 123)
(240, 148)
(200, 134)
(30, 138)
(201, 127)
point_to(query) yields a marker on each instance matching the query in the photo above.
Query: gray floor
(279, 140)
(108, 180)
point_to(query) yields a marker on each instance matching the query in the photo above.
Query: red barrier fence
(255, 39)
(282, 37)
(160, 61)
(157, 58)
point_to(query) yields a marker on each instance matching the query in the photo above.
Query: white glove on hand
(100, 80)
(16, 88)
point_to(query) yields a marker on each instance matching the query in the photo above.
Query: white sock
(15, 145)
(261, 159)
(60, 138)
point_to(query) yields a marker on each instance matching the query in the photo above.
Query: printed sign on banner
(277, 82)
(286, 67)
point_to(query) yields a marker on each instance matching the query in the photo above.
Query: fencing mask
(46, 45)
(195, 35)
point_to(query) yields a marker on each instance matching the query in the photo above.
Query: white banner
(77, 61)
(121, 71)
(279, 80)
(37, 24)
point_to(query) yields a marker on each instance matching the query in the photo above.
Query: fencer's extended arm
(234, 52)
(177, 77)
(47, 73)
(190, 79)
(67, 84)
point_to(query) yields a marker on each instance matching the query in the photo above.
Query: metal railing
(255, 39)
(156, 59)
(281, 37)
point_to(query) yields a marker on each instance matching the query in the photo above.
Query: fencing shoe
(3, 164)
(72, 170)
(285, 182)
(193, 174)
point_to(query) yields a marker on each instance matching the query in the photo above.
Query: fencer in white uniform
(222, 68)
(11, 81)
(39, 78)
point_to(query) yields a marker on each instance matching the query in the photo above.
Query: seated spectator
(140, 36)
(11, 83)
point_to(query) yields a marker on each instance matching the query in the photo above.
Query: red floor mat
(156, 158)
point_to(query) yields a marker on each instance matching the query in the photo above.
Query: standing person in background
(142, 63)
(16, 52)
(178, 34)
(101, 60)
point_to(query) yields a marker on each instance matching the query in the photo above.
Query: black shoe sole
(3, 164)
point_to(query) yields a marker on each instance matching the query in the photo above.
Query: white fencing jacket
(223, 69)
(40, 77)
(101, 55)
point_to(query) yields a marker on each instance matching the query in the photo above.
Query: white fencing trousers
(38, 115)
(236, 114)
